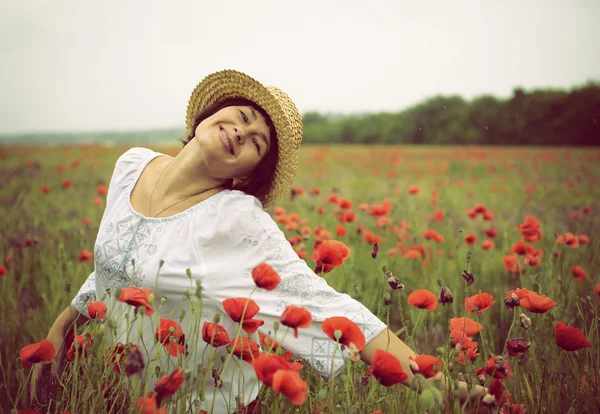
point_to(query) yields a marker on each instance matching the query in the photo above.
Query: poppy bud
(446, 296)
(386, 298)
(468, 277)
(188, 272)
(516, 345)
(525, 321)
(374, 250)
(430, 397)
(395, 283)
(481, 379)
(511, 301)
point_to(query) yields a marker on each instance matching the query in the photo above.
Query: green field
(427, 188)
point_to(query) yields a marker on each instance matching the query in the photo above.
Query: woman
(203, 211)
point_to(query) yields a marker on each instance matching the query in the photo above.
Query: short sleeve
(247, 236)
(87, 293)
(126, 171)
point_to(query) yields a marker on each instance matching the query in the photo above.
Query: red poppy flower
(468, 354)
(536, 303)
(570, 338)
(498, 367)
(266, 365)
(163, 335)
(296, 317)
(470, 239)
(481, 301)
(101, 189)
(340, 231)
(268, 343)
(289, 383)
(470, 326)
(136, 297)
(386, 368)
(97, 310)
(85, 256)
(349, 330)
(265, 277)
(597, 289)
(487, 245)
(45, 189)
(423, 299)
(251, 325)
(516, 346)
(413, 189)
(168, 384)
(39, 352)
(578, 273)
(220, 334)
(149, 405)
(81, 343)
(426, 365)
(245, 349)
(329, 255)
(235, 308)
(463, 339)
(118, 349)
(3, 270)
(530, 230)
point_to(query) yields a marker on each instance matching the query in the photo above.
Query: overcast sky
(119, 65)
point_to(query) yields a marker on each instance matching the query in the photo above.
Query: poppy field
(484, 260)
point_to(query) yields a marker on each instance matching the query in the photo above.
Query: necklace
(177, 202)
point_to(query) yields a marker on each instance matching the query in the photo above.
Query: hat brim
(285, 116)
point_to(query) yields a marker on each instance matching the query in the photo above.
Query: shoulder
(135, 155)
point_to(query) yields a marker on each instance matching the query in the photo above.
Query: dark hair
(260, 180)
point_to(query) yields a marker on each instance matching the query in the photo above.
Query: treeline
(539, 117)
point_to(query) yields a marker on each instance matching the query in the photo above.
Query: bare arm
(402, 351)
(56, 336)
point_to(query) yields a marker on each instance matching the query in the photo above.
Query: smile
(226, 141)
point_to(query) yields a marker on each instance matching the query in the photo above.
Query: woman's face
(233, 140)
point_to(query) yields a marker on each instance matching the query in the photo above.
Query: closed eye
(257, 146)
(244, 117)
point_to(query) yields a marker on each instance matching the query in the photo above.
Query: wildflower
(496, 367)
(491, 233)
(524, 321)
(462, 339)
(468, 277)
(512, 301)
(413, 189)
(101, 189)
(97, 310)
(266, 365)
(80, 344)
(510, 263)
(468, 354)
(289, 383)
(480, 302)
(350, 332)
(135, 362)
(583, 239)
(136, 297)
(446, 296)
(570, 338)
(214, 334)
(469, 326)
(578, 273)
(438, 215)
(395, 283)
(345, 203)
(530, 230)
(45, 189)
(117, 353)
(597, 289)
(98, 201)
(470, 239)
(536, 303)
(386, 368)
(39, 352)
(426, 365)
(374, 250)
(235, 308)
(487, 245)
(167, 329)
(432, 235)
(66, 183)
(516, 345)
(329, 255)
(423, 299)
(149, 405)
(85, 256)
(340, 231)
(245, 349)
(265, 277)
(3, 270)
(168, 385)
(296, 317)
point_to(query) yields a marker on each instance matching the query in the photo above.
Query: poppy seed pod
(525, 321)
(446, 296)
(395, 283)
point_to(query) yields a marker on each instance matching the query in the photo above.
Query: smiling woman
(240, 155)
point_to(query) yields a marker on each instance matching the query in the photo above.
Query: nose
(240, 135)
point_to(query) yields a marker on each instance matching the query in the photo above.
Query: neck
(186, 176)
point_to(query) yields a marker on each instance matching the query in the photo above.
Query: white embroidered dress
(221, 240)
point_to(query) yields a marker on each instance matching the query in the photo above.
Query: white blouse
(220, 240)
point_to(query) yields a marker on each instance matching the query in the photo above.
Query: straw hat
(276, 103)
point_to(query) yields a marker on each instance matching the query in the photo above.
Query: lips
(226, 141)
